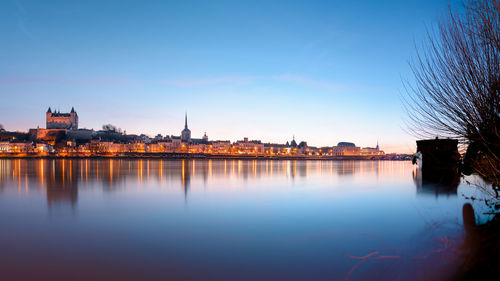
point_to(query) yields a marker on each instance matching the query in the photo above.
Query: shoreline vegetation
(455, 92)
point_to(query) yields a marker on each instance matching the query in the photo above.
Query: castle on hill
(58, 120)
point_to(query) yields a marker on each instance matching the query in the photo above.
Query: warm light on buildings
(87, 143)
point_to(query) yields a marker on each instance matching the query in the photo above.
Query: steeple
(377, 146)
(72, 110)
(49, 110)
(293, 143)
(186, 133)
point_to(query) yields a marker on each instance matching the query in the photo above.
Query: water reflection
(433, 188)
(252, 219)
(61, 179)
(478, 198)
(478, 250)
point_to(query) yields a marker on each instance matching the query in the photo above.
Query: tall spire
(186, 121)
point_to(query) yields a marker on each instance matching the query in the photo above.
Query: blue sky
(326, 71)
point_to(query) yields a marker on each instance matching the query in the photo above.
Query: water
(225, 220)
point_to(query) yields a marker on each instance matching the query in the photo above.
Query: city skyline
(58, 112)
(325, 72)
(62, 137)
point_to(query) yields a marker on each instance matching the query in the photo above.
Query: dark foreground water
(228, 220)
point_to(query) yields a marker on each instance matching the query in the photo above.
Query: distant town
(62, 138)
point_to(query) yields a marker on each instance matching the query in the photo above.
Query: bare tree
(111, 128)
(457, 84)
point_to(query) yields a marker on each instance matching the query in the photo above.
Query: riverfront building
(346, 149)
(63, 137)
(371, 151)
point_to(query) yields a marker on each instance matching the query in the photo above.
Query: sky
(324, 71)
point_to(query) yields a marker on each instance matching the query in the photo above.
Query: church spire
(49, 110)
(186, 121)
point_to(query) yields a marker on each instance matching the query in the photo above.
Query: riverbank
(135, 155)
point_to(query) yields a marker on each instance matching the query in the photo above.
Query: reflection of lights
(86, 172)
(26, 181)
(111, 171)
(183, 172)
(248, 168)
(140, 171)
(70, 171)
(160, 171)
(41, 174)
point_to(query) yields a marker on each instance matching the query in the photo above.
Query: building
(220, 147)
(302, 148)
(248, 147)
(326, 151)
(275, 148)
(62, 136)
(16, 146)
(58, 120)
(372, 151)
(50, 136)
(186, 133)
(4, 146)
(346, 149)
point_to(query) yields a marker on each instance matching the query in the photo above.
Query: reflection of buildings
(430, 187)
(481, 221)
(348, 167)
(60, 179)
(185, 176)
(61, 182)
(426, 187)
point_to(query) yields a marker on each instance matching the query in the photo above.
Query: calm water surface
(225, 220)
